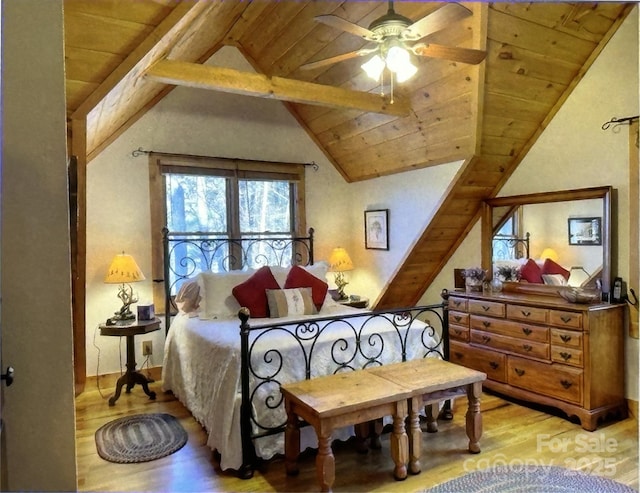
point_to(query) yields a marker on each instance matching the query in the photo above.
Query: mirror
(576, 224)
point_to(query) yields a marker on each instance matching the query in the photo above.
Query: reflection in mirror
(568, 232)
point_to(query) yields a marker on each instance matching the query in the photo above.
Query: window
(504, 247)
(232, 198)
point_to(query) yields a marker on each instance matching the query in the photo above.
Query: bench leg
(325, 461)
(399, 441)
(415, 436)
(291, 443)
(431, 411)
(474, 418)
(362, 433)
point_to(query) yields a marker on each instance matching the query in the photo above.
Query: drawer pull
(457, 318)
(494, 365)
(565, 338)
(458, 355)
(566, 383)
(527, 331)
(457, 332)
(566, 319)
(519, 372)
(527, 348)
(486, 324)
(457, 303)
(525, 313)
(565, 356)
(486, 308)
(486, 339)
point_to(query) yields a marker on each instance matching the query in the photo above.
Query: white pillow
(215, 289)
(554, 279)
(319, 270)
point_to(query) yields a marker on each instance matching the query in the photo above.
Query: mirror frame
(604, 193)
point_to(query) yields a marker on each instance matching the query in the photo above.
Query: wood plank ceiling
(488, 115)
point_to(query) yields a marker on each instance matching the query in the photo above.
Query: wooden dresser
(543, 349)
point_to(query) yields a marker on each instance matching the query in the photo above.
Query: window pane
(264, 206)
(196, 203)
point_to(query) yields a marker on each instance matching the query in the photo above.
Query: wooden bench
(396, 390)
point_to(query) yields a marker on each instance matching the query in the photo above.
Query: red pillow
(531, 272)
(550, 267)
(301, 278)
(252, 292)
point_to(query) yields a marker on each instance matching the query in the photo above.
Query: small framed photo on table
(376, 229)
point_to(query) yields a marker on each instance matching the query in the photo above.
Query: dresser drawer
(532, 349)
(487, 308)
(568, 338)
(459, 333)
(510, 328)
(552, 380)
(457, 303)
(492, 363)
(527, 313)
(459, 318)
(569, 356)
(565, 319)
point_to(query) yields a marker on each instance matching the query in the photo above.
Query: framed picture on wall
(376, 229)
(585, 231)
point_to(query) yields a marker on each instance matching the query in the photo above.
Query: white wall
(574, 152)
(38, 413)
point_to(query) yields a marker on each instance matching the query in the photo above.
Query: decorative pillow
(550, 267)
(215, 289)
(301, 278)
(554, 279)
(252, 292)
(283, 302)
(188, 298)
(531, 272)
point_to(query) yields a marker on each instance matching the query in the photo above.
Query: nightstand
(131, 376)
(361, 303)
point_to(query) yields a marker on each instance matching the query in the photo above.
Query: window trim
(159, 163)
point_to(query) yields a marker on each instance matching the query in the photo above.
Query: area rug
(140, 438)
(525, 479)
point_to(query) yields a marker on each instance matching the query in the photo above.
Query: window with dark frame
(232, 198)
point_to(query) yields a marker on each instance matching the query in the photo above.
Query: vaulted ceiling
(123, 56)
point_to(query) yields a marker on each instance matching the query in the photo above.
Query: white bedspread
(202, 368)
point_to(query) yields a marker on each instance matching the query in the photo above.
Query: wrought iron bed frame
(519, 245)
(367, 346)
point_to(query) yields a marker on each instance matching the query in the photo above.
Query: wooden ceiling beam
(249, 84)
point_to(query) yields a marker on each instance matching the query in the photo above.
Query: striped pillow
(288, 302)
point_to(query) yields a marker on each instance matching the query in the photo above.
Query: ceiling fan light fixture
(374, 67)
(406, 72)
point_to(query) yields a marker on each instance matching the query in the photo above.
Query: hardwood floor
(513, 435)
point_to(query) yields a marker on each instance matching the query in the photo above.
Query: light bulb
(374, 67)
(406, 72)
(397, 59)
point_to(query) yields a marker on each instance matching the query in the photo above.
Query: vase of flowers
(473, 279)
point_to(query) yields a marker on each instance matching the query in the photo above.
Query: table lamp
(124, 270)
(339, 262)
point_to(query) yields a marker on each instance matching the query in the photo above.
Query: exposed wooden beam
(258, 85)
(164, 36)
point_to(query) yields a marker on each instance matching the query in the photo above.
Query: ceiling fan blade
(464, 55)
(338, 58)
(350, 27)
(435, 21)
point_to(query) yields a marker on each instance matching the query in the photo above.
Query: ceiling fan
(395, 36)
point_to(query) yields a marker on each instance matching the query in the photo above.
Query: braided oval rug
(140, 438)
(538, 479)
